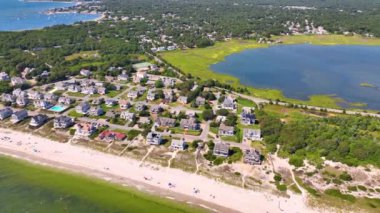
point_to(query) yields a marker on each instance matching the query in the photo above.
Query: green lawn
(197, 62)
(214, 130)
(106, 108)
(245, 102)
(143, 97)
(83, 55)
(59, 92)
(30, 107)
(29, 188)
(259, 146)
(114, 93)
(76, 94)
(242, 102)
(118, 121)
(74, 114)
(177, 130)
(233, 138)
(95, 96)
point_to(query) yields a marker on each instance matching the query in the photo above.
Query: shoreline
(36, 1)
(49, 12)
(219, 55)
(122, 170)
(114, 179)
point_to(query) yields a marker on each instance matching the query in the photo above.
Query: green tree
(208, 114)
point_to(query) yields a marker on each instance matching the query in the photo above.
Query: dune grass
(197, 62)
(29, 188)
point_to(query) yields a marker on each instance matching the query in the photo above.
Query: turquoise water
(58, 108)
(304, 70)
(16, 15)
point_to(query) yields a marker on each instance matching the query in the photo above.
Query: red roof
(108, 134)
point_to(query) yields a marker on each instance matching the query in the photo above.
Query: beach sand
(165, 182)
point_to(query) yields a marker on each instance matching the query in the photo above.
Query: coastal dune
(165, 182)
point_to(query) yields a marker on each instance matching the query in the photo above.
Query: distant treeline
(247, 18)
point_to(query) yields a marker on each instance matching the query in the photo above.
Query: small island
(365, 84)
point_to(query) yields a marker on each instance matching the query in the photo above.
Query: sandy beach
(166, 182)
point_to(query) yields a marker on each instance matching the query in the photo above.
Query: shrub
(277, 177)
(363, 188)
(296, 161)
(218, 161)
(195, 144)
(132, 134)
(337, 181)
(72, 131)
(345, 176)
(214, 124)
(236, 154)
(222, 112)
(281, 187)
(209, 156)
(159, 84)
(338, 194)
(352, 188)
(208, 114)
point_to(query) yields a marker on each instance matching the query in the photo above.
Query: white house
(154, 138)
(178, 144)
(252, 134)
(4, 76)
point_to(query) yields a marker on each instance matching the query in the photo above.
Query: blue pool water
(304, 70)
(58, 108)
(16, 15)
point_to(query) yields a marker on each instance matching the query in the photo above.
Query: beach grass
(197, 62)
(26, 187)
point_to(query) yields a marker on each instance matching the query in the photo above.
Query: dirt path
(174, 154)
(108, 147)
(243, 180)
(284, 163)
(146, 155)
(126, 148)
(197, 164)
(71, 140)
(303, 191)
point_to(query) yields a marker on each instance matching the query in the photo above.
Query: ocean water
(17, 15)
(304, 70)
(29, 188)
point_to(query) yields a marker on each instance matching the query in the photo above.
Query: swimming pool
(58, 108)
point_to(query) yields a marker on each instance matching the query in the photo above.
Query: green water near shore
(26, 187)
